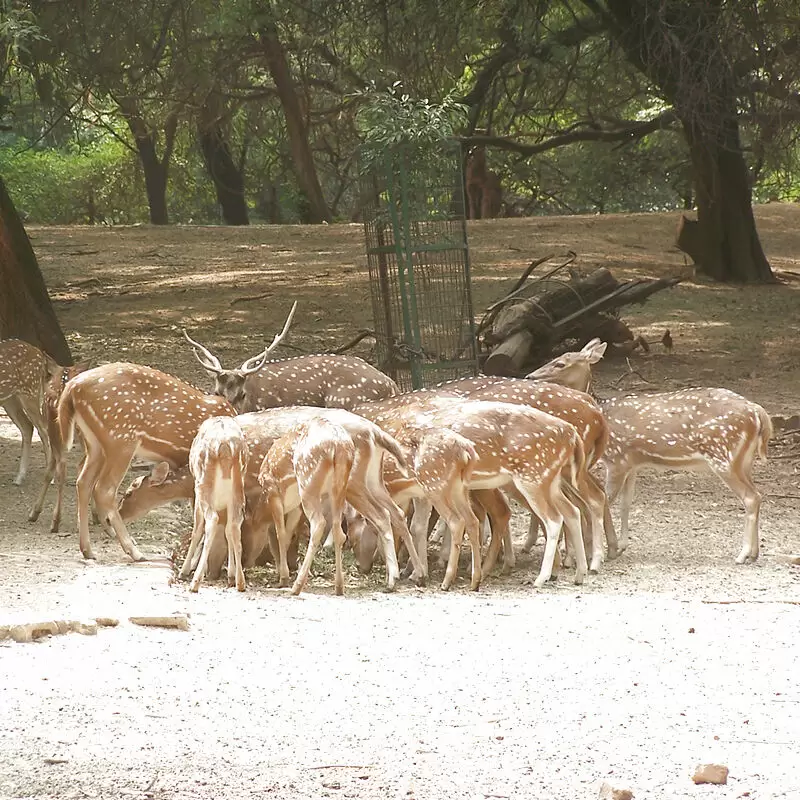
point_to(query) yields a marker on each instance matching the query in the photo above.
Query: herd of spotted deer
(329, 441)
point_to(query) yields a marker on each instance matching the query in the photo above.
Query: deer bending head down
(328, 381)
(124, 410)
(218, 462)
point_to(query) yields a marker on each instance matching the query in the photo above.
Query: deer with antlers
(124, 410)
(328, 381)
(681, 430)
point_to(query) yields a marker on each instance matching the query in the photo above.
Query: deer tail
(764, 431)
(390, 445)
(66, 417)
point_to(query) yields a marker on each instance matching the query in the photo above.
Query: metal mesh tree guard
(418, 261)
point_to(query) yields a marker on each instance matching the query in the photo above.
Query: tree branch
(630, 132)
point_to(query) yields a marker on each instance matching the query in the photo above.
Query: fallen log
(524, 335)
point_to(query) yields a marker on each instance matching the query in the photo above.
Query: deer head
(230, 383)
(573, 370)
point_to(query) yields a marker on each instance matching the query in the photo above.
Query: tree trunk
(25, 309)
(155, 180)
(683, 49)
(225, 173)
(729, 247)
(156, 170)
(302, 156)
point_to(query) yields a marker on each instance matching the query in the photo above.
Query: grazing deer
(365, 489)
(123, 410)
(328, 381)
(24, 373)
(516, 446)
(218, 461)
(566, 404)
(165, 485)
(310, 463)
(676, 430)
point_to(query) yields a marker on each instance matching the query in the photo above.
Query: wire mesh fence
(419, 264)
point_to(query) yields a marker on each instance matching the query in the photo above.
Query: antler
(256, 362)
(208, 360)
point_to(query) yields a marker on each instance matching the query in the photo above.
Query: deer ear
(595, 350)
(81, 366)
(159, 473)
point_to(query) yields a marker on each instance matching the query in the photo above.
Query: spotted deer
(516, 446)
(570, 405)
(124, 410)
(680, 430)
(217, 461)
(24, 374)
(306, 458)
(166, 485)
(56, 464)
(328, 381)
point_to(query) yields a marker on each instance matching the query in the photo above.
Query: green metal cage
(418, 258)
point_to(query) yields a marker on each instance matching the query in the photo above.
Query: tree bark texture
(25, 308)
(302, 156)
(224, 171)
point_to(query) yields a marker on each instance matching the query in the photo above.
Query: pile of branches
(523, 329)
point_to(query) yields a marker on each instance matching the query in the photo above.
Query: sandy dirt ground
(671, 657)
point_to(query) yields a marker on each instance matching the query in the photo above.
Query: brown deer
(484, 188)
(328, 381)
(123, 410)
(678, 430)
(217, 461)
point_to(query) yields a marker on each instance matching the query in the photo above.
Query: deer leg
(742, 486)
(499, 515)
(620, 480)
(192, 554)
(316, 521)
(34, 410)
(457, 527)
(572, 523)
(381, 521)
(419, 531)
(233, 535)
(463, 508)
(540, 499)
(608, 522)
(16, 413)
(91, 468)
(105, 493)
(211, 522)
(399, 529)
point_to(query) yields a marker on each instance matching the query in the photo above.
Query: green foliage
(99, 183)
(391, 117)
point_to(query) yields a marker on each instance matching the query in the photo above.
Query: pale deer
(166, 485)
(24, 373)
(566, 404)
(677, 430)
(516, 446)
(124, 410)
(310, 463)
(365, 490)
(217, 460)
(328, 381)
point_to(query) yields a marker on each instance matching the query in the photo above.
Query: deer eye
(560, 364)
